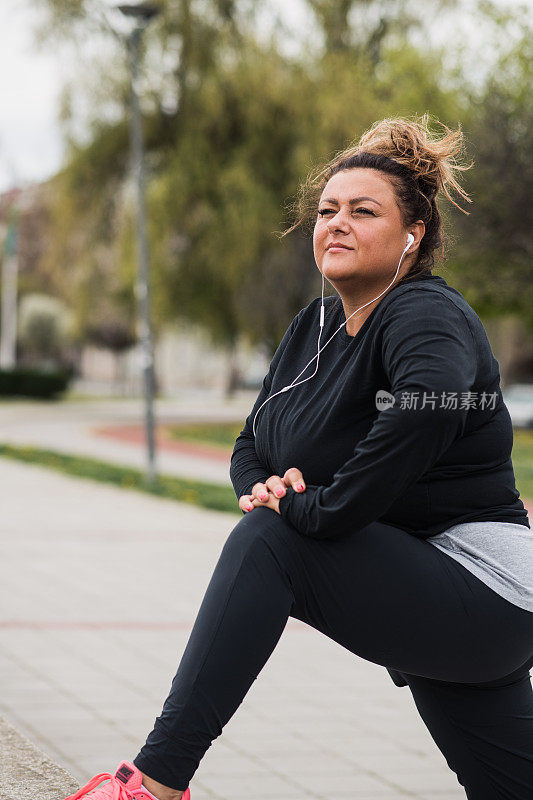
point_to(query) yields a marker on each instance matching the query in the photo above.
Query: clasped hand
(268, 493)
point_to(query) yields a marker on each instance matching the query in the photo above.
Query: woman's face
(358, 209)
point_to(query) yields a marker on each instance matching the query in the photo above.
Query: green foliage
(216, 206)
(493, 262)
(33, 382)
(43, 326)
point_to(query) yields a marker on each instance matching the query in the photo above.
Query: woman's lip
(338, 249)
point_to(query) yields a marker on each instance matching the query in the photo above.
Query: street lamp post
(8, 319)
(140, 15)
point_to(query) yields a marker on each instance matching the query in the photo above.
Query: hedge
(33, 382)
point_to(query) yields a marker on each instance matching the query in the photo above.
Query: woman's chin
(338, 272)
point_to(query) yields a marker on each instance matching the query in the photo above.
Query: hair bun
(433, 160)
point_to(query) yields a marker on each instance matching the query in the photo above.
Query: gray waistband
(498, 553)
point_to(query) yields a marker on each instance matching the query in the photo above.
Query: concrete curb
(26, 773)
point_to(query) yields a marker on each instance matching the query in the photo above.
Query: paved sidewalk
(99, 588)
(71, 427)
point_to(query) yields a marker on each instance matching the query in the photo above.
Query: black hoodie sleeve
(245, 468)
(427, 347)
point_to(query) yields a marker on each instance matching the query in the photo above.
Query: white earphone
(410, 240)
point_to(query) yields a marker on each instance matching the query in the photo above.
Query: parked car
(519, 400)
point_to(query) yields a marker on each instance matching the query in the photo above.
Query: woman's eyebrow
(352, 202)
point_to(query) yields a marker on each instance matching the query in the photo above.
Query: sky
(31, 80)
(30, 85)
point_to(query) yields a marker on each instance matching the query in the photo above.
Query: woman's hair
(419, 164)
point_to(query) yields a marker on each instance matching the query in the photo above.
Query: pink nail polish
(249, 507)
(279, 491)
(300, 487)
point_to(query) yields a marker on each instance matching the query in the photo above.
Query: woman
(378, 492)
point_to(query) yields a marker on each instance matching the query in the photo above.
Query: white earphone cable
(410, 240)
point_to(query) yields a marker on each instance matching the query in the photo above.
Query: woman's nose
(337, 222)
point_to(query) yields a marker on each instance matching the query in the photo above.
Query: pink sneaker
(125, 784)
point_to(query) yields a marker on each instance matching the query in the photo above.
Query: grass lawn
(523, 462)
(217, 434)
(208, 495)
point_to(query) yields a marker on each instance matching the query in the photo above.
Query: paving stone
(99, 589)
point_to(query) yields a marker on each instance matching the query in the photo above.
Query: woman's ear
(417, 230)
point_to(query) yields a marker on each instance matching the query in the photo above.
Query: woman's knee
(260, 528)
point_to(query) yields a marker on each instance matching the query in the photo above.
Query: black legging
(390, 598)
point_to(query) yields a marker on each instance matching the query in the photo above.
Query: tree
(493, 261)
(365, 27)
(44, 328)
(248, 123)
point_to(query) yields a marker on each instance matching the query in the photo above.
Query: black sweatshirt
(439, 455)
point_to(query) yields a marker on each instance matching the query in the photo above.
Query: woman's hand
(268, 493)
